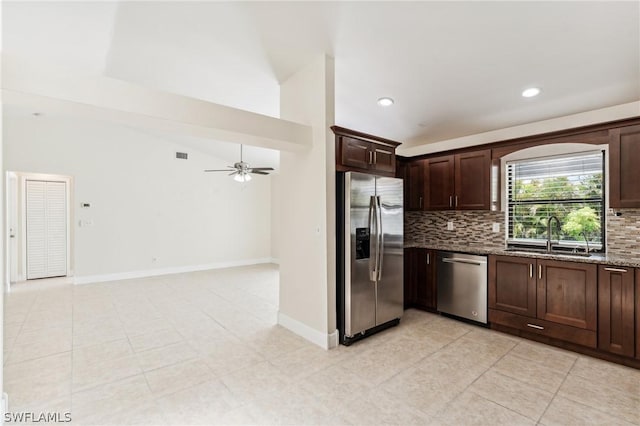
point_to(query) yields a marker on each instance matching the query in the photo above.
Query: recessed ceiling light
(385, 102)
(531, 92)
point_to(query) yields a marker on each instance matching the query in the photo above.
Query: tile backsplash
(475, 228)
(472, 228)
(623, 233)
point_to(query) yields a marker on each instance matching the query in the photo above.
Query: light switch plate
(496, 227)
(450, 226)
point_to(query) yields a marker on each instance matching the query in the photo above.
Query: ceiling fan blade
(233, 173)
(262, 168)
(218, 170)
(258, 172)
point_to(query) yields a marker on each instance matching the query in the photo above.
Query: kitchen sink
(526, 250)
(552, 252)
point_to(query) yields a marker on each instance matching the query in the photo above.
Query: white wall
(275, 217)
(145, 203)
(2, 264)
(307, 197)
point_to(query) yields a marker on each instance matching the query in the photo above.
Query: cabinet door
(384, 158)
(512, 285)
(401, 169)
(426, 285)
(624, 173)
(616, 310)
(409, 277)
(473, 180)
(567, 293)
(355, 153)
(415, 185)
(439, 175)
(637, 313)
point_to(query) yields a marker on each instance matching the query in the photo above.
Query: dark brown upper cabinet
(459, 182)
(473, 181)
(414, 185)
(624, 172)
(439, 183)
(361, 152)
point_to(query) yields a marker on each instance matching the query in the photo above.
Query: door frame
(21, 232)
(12, 212)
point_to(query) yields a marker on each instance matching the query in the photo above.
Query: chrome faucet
(586, 240)
(549, 244)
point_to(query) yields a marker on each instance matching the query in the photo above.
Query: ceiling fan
(241, 171)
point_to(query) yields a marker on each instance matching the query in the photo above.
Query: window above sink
(568, 187)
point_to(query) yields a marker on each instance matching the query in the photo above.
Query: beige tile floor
(203, 348)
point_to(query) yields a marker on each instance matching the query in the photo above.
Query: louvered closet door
(46, 229)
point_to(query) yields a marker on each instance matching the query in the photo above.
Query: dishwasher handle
(460, 260)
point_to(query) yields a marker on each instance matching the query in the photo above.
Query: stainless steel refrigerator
(370, 254)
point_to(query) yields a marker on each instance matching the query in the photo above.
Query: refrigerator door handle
(380, 237)
(373, 240)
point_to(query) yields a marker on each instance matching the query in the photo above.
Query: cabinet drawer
(544, 328)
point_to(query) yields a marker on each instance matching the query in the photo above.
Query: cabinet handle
(370, 157)
(531, 270)
(539, 272)
(456, 201)
(375, 157)
(537, 327)
(615, 269)
(420, 202)
(450, 200)
(428, 258)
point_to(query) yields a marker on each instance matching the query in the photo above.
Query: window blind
(556, 186)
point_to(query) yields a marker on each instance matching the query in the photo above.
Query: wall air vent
(181, 155)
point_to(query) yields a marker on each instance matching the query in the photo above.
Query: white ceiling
(454, 68)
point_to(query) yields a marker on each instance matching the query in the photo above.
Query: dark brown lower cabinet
(426, 288)
(616, 300)
(568, 293)
(638, 313)
(419, 280)
(512, 285)
(562, 305)
(410, 272)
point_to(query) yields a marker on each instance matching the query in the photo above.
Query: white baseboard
(333, 339)
(325, 341)
(4, 405)
(88, 279)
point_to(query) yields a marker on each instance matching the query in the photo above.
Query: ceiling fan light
(242, 177)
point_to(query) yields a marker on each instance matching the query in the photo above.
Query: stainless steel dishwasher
(462, 285)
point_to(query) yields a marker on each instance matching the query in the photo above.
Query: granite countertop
(598, 258)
